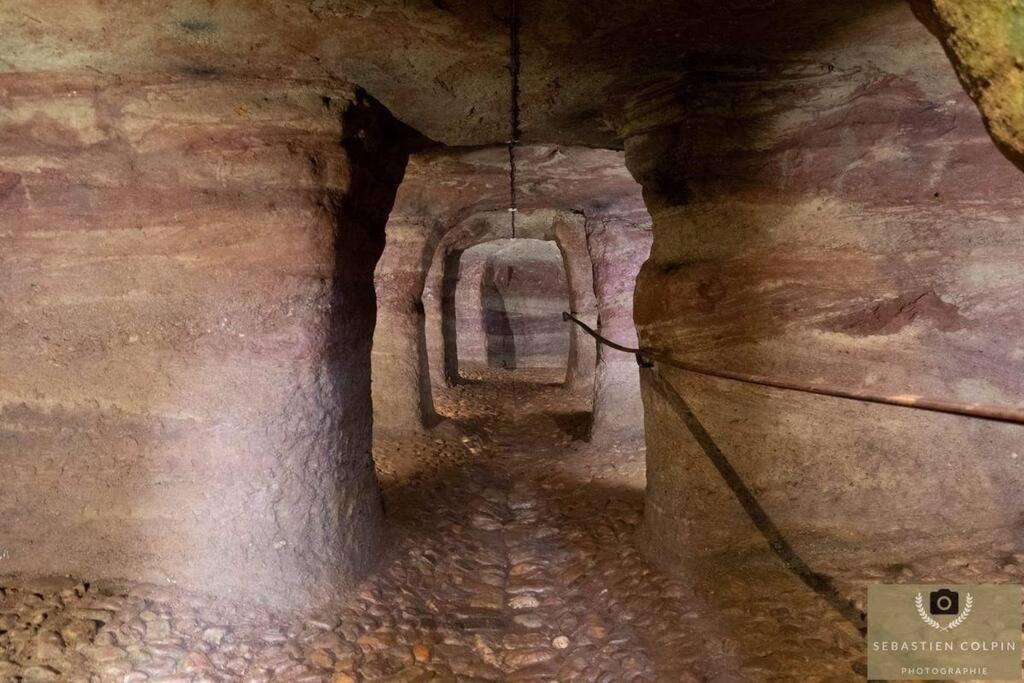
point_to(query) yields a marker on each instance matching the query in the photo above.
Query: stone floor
(514, 558)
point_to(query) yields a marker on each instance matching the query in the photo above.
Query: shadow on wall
(499, 336)
(375, 147)
(509, 303)
(201, 418)
(751, 191)
(449, 329)
(547, 280)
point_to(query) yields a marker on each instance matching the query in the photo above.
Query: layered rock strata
(839, 217)
(184, 352)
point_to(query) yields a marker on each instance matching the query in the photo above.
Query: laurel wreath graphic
(927, 618)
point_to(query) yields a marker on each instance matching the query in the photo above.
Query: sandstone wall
(619, 245)
(186, 307)
(468, 321)
(509, 306)
(984, 40)
(417, 279)
(401, 378)
(837, 215)
(451, 200)
(565, 229)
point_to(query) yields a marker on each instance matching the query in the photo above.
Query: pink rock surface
(509, 305)
(451, 201)
(847, 222)
(184, 349)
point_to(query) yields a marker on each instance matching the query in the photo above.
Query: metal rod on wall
(645, 357)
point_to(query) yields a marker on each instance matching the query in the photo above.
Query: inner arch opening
(509, 301)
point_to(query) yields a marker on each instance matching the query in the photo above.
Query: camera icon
(944, 601)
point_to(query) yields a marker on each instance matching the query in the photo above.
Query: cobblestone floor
(513, 559)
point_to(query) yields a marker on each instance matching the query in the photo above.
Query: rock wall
(451, 200)
(509, 305)
(468, 325)
(834, 215)
(401, 379)
(984, 40)
(187, 304)
(619, 245)
(566, 230)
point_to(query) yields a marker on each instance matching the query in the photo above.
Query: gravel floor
(513, 558)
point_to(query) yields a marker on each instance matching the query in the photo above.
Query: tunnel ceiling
(439, 66)
(449, 185)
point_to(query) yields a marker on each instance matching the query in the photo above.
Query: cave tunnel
(520, 340)
(520, 297)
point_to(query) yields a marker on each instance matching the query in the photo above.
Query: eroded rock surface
(452, 200)
(515, 559)
(441, 67)
(985, 41)
(187, 297)
(201, 189)
(514, 297)
(839, 219)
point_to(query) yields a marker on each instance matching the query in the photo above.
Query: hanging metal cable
(513, 140)
(647, 358)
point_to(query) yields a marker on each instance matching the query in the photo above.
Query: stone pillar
(187, 307)
(466, 321)
(619, 245)
(439, 302)
(571, 237)
(401, 376)
(449, 332)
